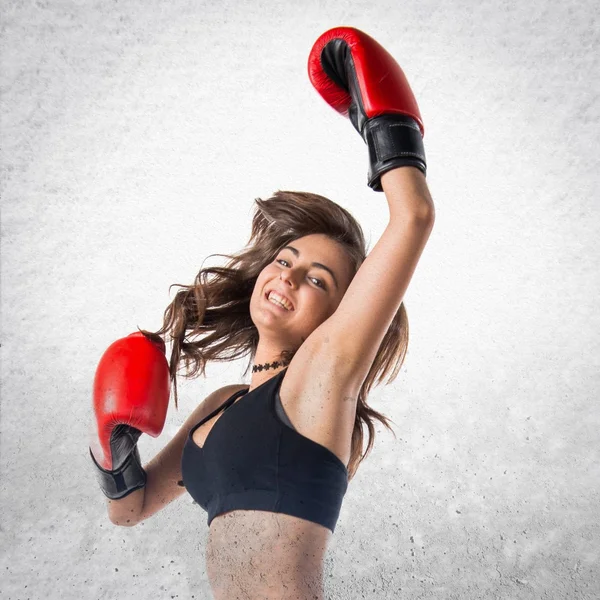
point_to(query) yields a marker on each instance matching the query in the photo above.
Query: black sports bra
(252, 460)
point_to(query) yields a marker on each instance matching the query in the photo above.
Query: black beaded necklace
(266, 366)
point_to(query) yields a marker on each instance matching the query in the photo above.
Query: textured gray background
(135, 136)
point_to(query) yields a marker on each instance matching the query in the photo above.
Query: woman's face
(313, 291)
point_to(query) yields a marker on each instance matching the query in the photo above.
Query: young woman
(270, 462)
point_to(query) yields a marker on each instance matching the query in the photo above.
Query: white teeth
(272, 298)
(273, 301)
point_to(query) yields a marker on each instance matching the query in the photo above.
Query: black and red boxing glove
(361, 80)
(131, 397)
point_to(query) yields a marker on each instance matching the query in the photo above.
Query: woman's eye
(319, 282)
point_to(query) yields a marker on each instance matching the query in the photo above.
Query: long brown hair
(218, 308)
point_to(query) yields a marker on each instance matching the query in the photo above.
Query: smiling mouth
(275, 304)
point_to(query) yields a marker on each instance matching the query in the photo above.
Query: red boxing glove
(131, 397)
(361, 80)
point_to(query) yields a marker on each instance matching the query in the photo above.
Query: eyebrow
(315, 264)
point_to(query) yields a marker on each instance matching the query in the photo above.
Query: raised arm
(361, 80)
(357, 328)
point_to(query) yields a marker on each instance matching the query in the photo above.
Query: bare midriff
(252, 555)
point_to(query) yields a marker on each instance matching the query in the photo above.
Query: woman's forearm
(126, 511)
(407, 194)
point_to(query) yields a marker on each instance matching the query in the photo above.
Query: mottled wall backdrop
(135, 137)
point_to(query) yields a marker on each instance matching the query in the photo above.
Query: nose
(287, 277)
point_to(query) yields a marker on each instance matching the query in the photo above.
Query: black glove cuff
(393, 141)
(121, 482)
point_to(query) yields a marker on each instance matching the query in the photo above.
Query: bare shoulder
(233, 388)
(224, 393)
(211, 403)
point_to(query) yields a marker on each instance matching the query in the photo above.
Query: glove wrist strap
(121, 482)
(393, 141)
